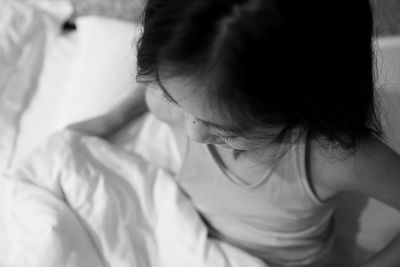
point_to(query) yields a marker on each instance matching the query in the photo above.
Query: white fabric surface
(26, 31)
(85, 74)
(78, 201)
(104, 72)
(48, 79)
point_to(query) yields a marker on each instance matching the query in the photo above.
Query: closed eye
(168, 98)
(227, 138)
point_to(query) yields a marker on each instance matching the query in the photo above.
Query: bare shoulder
(373, 170)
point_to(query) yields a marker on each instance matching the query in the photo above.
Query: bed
(76, 200)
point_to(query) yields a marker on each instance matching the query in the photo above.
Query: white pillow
(86, 73)
(26, 31)
(104, 73)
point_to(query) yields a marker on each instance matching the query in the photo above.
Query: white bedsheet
(80, 201)
(28, 30)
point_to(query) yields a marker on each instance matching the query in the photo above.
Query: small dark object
(69, 26)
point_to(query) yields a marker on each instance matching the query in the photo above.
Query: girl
(278, 101)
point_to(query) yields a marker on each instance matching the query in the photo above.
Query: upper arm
(373, 170)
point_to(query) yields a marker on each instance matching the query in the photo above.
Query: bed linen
(26, 33)
(85, 74)
(80, 201)
(48, 77)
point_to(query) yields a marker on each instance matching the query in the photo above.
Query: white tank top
(279, 218)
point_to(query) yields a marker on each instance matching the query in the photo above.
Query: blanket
(78, 200)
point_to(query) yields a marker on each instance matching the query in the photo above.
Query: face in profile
(180, 102)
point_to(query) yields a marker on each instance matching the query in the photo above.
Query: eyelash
(227, 138)
(167, 98)
(224, 138)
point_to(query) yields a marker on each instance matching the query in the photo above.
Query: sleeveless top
(279, 218)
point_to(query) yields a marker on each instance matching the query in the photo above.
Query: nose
(199, 131)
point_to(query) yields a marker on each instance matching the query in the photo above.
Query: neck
(266, 155)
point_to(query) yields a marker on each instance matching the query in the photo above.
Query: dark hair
(304, 65)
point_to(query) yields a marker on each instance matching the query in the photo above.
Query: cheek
(163, 110)
(198, 131)
(244, 144)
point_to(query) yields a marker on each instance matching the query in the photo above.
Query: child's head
(276, 65)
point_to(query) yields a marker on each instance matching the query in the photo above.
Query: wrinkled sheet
(80, 201)
(28, 30)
